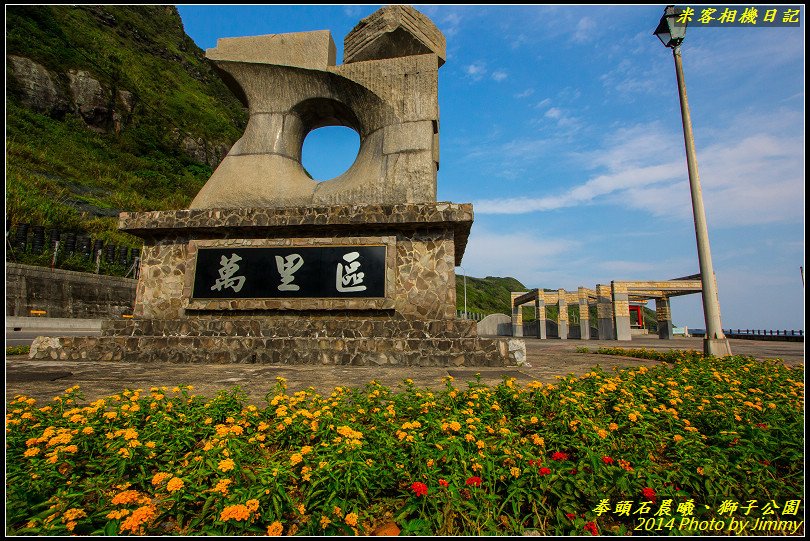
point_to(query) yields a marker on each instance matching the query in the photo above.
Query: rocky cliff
(110, 108)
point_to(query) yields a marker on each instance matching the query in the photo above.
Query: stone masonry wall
(422, 271)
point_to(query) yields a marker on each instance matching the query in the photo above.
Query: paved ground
(548, 359)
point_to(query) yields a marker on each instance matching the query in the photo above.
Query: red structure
(639, 322)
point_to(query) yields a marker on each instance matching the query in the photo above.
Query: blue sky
(562, 126)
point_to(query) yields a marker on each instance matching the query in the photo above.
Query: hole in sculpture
(329, 152)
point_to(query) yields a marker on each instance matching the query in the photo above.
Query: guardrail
(758, 334)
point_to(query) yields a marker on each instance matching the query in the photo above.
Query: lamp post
(715, 342)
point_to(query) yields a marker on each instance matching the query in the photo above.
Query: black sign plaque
(290, 272)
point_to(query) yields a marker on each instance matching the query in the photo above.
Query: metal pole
(714, 342)
(55, 251)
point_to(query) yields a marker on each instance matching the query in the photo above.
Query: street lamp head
(670, 32)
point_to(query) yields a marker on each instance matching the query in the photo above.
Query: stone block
(391, 32)
(408, 137)
(315, 50)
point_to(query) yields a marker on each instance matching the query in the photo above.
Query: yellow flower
(351, 519)
(73, 514)
(115, 515)
(296, 458)
(515, 472)
(633, 417)
(325, 522)
(226, 465)
(33, 451)
(275, 528)
(222, 486)
(174, 484)
(677, 438)
(602, 433)
(337, 511)
(252, 505)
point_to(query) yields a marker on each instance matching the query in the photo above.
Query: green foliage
(467, 460)
(488, 295)
(60, 171)
(17, 350)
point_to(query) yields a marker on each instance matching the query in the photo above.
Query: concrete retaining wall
(66, 294)
(495, 325)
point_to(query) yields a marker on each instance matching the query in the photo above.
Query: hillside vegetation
(109, 109)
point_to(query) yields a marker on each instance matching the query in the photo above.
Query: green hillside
(109, 109)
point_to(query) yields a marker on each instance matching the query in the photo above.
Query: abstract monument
(270, 266)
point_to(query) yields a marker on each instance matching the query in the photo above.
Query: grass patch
(472, 459)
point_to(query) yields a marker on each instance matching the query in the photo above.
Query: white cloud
(525, 94)
(634, 76)
(543, 103)
(754, 179)
(476, 71)
(563, 119)
(531, 258)
(499, 75)
(352, 11)
(584, 31)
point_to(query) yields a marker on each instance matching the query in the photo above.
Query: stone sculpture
(268, 265)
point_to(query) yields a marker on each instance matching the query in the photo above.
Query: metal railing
(32, 244)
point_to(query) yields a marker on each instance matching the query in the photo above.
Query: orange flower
(174, 484)
(235, 512)
(135, 522)
(275, 528)
(160, 477)
(128, 496)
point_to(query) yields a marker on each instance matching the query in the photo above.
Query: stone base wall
(412, 324)
(280, 351)
(323, 326)
(333, 341)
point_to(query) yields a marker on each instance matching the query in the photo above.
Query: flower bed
(557, 459)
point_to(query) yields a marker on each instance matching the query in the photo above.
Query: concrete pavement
(548, 359)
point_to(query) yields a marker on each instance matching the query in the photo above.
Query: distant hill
(491, 295)
(109, 109)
